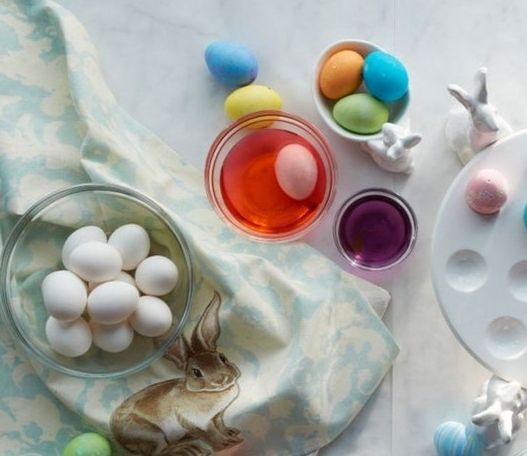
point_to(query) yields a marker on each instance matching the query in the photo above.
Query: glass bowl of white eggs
(35, 276)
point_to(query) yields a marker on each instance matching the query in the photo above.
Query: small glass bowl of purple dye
(375, 229)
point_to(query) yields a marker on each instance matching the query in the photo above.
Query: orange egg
(341, 74)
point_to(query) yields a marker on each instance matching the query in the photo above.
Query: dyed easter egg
(450, 439)
(474, 445)
(296, 171)
(360, 113)
(341, 74)
(231, 63)
(385, 76)
(251, 98)
(486, 191)
(88, 444)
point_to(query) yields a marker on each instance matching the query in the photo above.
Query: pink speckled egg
(296, 171)
(486, 191)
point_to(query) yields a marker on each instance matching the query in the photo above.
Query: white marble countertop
(152, 56)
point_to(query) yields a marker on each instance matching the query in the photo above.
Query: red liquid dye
(250, 189)
(375, 231)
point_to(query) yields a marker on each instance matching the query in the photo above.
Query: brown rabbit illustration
(184, 416)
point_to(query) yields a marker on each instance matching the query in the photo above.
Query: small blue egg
(525, 216)
(450, 439)
(385, 76)
(231, 63)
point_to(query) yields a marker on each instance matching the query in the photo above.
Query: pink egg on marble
(486, 191)
(296, 171)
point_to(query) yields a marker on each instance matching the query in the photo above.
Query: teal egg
(88, 444)
(360, 113)
(385, 76)
(450, 439)
(525, 216)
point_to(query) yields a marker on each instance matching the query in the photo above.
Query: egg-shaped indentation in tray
(517, 281)
(506, 338)
(466, 270)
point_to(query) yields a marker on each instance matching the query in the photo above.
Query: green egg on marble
(360, 113)
(89, 444)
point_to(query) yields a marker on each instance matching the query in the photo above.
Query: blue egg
(231, 63)
(474, 445)
(385, 77)
(450, 439)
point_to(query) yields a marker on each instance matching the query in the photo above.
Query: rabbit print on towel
(184, 416)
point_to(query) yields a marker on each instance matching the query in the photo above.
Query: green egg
(360, 113)
(89, 444)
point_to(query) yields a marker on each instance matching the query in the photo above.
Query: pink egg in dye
(296, 171)
(486, 191)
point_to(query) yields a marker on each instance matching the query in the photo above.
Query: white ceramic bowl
(397, 109)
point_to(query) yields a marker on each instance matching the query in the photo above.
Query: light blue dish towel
(303, 333)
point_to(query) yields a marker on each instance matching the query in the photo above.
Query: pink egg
(486, 191)
(296, 171)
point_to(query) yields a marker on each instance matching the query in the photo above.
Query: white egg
(122, 277)
(64, 295)
(157, 275)
(132, 242)
(112, 302)
(152, 317)
(112, 338)
(85, 234)
(70, 339)
(95, 262)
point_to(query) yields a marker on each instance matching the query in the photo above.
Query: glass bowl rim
(401, 202)
(6, 256)
(229, 131)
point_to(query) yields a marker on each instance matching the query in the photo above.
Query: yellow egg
(251, 98)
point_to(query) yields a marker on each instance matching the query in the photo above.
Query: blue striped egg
(474, 445)
(450, 439)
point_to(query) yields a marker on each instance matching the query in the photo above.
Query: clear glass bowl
(249, 124)
(33, 249)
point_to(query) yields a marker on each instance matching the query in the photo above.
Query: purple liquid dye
(375, 231)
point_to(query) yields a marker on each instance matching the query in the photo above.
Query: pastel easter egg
(486, 191)
(296, 171)
(251, 98)
(132, 242)
(450, 439)
(95, 262)
(90, 233)
(360, 113)
(112, 302)
(232, 64)
(385, 76)
(341, 74)
(69, 338)
(474, 445)
(88, 444)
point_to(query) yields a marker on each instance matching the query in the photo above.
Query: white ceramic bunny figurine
(499, 411)
(184, 416)
(476, 125)
(393, 152)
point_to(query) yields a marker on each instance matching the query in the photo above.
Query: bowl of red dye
(244, 176)
(375, 229)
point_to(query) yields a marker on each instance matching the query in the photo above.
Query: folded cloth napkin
(302, 333)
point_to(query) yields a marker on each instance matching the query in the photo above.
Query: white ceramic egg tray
(479, 264)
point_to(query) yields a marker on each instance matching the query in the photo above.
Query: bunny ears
(480, 94)
(204, 336)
